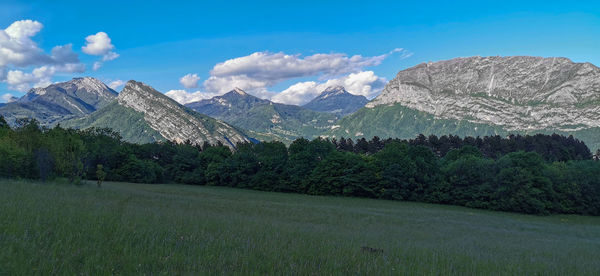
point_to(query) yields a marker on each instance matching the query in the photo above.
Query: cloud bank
(364, 83)
(17, 49)
(264, 69)
(258, 72)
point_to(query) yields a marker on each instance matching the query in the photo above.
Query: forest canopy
(538, 174)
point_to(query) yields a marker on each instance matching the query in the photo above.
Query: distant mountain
(60, 101)
(484, 95)
(263, 119)
(335, 99)
(10, 100)
(141, 115)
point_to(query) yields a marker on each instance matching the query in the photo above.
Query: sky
(287, 51)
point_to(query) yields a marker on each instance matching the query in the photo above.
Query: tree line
(551, 147)
(538, 174)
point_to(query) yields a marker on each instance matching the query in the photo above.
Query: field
(129, 229)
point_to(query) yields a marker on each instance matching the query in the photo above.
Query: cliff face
(517, 93)
(175, 122)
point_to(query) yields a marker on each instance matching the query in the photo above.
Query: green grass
(129, 229)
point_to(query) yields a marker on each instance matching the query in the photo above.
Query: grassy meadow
(125, 228)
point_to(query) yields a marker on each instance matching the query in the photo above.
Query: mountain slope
(337, 100)
(142, 114)
(397, 121)
(60, 101)
(506, 94)
(264, 119)
(126, 121)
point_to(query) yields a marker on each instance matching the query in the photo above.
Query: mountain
(9, 100)
(263, 119)
(60, 101)
(484, 95)
(142, 114)
(335, 99)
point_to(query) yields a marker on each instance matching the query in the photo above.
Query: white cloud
(3, 73)
(257, 72)
(189, 81)
(364, 83)
(184, 97)
(110, 56)
(40, 76)
(99, 45)
(16, 46)
(228, 83)
(7, 98)
(18, 50)
(298, 94)
(116, 84)
(264, 69)
(97, 65)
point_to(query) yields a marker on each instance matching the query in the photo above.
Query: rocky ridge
(517, 93)
(175, 122)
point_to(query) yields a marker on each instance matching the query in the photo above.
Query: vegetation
(534, 174)
(397, 121)
(263, 119)
(130, 124)
(123, 228)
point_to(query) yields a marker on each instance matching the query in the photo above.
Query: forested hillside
(532, 174)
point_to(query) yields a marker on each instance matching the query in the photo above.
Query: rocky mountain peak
(91, 84)
(235, 94)
(136, 90)
(60, 101)
(239, 91)
(335, 88)
(76, 87)
(332, 91)
(335, 99)
(142, 97)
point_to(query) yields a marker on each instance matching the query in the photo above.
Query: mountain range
(60, 101)
(473, 96)
(263, 119)
(142, 114)
(482, 96)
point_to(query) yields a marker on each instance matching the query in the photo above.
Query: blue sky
(159, 42)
